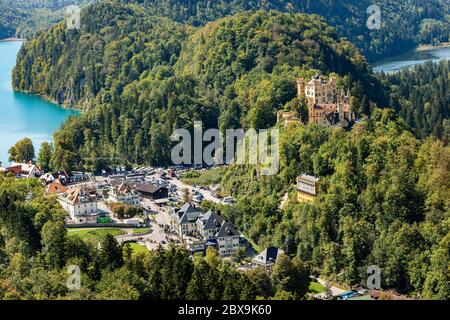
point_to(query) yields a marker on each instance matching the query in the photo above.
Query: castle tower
(301, 87)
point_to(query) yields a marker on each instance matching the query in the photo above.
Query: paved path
(335, 291)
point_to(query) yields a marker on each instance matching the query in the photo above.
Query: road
(205, 193)
(335, 291)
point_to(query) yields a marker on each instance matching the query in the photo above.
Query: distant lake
(410, 59)
(24, 115)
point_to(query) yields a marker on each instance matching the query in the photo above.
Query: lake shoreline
(48, 99)
(427, 47)
(13, 40)
(25, 114)
(412, 58)
(421, 48)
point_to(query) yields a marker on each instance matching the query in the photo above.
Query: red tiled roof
(56, 187)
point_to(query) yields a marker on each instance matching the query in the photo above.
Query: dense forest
(36, 252)
(24, 18)
(384, 192)
(150, 76)
(384, 200)
(421, 96)
(404, 25)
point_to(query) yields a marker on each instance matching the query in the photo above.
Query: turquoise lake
(410, 59)
(24, 115)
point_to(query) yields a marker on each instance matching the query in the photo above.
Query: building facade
(267, 258)
(201, 230)
(307, 188)
(228, 239)
(123, 193)
(80, 205)
(186, 220)
(327, 105)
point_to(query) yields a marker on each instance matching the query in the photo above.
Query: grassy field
(140, 230)
(203, 178)
(138, 248)
(315, 287)
(94, 234)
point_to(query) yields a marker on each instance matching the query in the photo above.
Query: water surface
(24, 115)
(410, 59)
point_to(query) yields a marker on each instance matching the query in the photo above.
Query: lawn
(95, 234)
(137, 231)
(203, 178)
(138, 248)
(315, 287)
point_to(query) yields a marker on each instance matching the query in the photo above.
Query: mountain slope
(26, 17)
(141, 76)
(404, 23)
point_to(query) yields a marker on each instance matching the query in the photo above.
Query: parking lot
(160, 225)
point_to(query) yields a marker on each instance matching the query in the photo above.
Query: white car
(229, 200)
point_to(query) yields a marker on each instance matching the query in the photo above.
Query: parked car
(229, 200)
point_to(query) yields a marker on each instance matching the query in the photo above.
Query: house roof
(16, 169)
(211, 220)
(268, 256)
(188, 212)
(146, 187)
(308, 178)
(122, 188)
(227, 230)
(116, 182)
(77, 196)
(56, 187)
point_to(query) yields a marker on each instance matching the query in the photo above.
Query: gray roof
(227, 230)
(146, 187)
(268, 256)
(188, 212)
(211, 220)
(309, 178)
(116, 182)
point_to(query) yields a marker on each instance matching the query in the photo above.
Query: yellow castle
(326, 106)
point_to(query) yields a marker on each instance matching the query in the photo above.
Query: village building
(56, 187)
(49, 177)
(23, 170)
(186, 220)
(81, 205)
(267, 258)
(150, 191)
(228, 239)
(123, 193)
(327, 105)
(194, 244)
(307, 188)
(202, 230)
(209, 224)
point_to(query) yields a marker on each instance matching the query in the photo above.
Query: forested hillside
(421, 95)
(141, 76)
(26, 17)
(384, 192)
(384, 200)
(405, 23)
